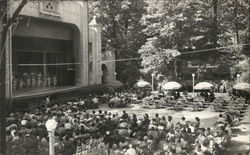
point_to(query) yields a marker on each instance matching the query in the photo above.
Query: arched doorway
(104, 73)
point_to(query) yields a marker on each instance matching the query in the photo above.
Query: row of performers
(33, 80)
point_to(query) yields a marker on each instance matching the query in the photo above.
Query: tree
(175, 25)
(120, 22)
(233, 21)
(215, 22)
(157, 60)
(242, 68)
(5, 23)
(193, 25)
(2, 82)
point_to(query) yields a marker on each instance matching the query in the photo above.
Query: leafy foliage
(156, 59)
(122, 30)
(173, 27)
(190, 25)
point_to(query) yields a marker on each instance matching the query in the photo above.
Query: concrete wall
(100, 58)
(108, 58)
(95, 39)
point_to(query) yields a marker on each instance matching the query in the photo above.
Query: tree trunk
(236, 21)
(5, 23)
(246, 47)
(248, 40)
(175, 69)
(2, 82)
(215, 22)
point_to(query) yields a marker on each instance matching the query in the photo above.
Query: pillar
(95, 38)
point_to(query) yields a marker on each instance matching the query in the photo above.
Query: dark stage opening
(42, 63)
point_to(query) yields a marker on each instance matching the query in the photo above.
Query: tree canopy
(122, 30)
(164, 34)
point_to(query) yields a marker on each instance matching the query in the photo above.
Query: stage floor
(39, 92)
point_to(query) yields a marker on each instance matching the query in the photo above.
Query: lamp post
(152, 75)
(238, 78)
(193, 75)
(51, 126)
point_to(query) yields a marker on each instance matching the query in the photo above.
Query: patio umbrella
(242, 86)
(142, 84)
(203, 86)
(171, 86)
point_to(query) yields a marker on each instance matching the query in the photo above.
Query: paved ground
(240, 142)
(207, 116)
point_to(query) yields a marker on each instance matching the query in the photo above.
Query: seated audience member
(221, 119)
(170, 124)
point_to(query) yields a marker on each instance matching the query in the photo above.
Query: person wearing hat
(108, 139)
(124, 115)
(157, 119)
(183, 121)
(221, 119)
(131, 150)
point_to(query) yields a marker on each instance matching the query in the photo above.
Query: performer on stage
(14, 83)
(21, 83)
(39, 80)
(28, 82)
(33, 82)
(48, 81)
(54, 81)
(44, 81)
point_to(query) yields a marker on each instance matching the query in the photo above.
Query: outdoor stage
(43, 92)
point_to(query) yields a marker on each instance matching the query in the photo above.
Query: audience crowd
(80, 131)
